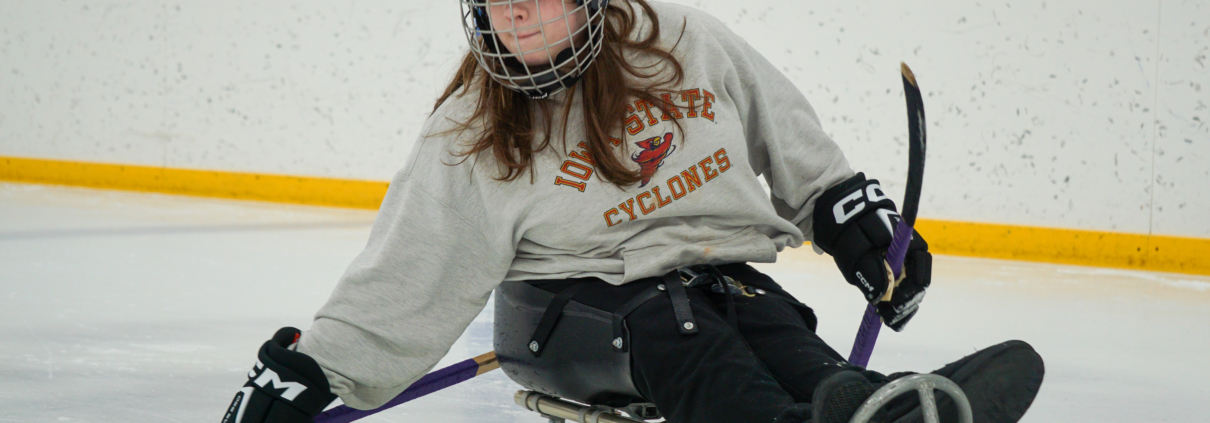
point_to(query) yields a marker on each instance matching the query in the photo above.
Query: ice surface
(124, 307)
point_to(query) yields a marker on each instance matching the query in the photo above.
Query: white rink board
(1080, 114)
(122, 307)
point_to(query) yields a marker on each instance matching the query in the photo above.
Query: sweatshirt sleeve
(428, 269)
(786, 142)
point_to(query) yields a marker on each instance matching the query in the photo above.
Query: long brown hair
(604, 92)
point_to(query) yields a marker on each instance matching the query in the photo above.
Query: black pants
(721, 374)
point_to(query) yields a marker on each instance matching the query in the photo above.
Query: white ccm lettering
(874, 193)
(274, 381)
(838, 209)
(255, 367)
(243, 404)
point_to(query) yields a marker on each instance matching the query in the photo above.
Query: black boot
(836, 399)
(1000, 381)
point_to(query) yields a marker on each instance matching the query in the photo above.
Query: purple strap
(867, 335)
(428, 384)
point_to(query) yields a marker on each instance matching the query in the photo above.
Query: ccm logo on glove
(284, 386)
(854, 221)
(872, 191)
(270, 380)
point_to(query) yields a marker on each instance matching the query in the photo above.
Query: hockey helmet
(545, 54)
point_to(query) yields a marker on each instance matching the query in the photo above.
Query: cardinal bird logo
(651, 157)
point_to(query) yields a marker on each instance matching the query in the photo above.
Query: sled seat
(577, 362)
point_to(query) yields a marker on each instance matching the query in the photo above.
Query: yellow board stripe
(243, 186)
(1051, 245)
(1068, 246)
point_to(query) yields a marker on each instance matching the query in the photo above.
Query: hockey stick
(432, 382)
(867, 335)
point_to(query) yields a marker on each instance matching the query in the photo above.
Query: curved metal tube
(924, 385)
(555, 407)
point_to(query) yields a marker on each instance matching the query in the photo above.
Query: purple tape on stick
(899, 246)
(428, 384)
(867, 334)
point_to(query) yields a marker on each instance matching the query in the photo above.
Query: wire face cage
(536, 47)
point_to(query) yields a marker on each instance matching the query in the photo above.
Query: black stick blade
(916, 144)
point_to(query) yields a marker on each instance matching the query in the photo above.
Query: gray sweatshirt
(448, 232)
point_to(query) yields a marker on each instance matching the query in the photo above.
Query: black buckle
(734, 287)
(691, 277)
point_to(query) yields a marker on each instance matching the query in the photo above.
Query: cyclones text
(679, 186)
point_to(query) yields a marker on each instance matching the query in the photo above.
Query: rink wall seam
(989, 240)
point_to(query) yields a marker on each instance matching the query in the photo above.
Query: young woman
(606, 154)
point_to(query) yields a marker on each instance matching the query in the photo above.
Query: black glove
(854, 222)
(284, 387)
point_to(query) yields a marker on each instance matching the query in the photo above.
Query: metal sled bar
(558, 409)
(924, 385)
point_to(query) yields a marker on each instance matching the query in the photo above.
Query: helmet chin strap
(543, 85)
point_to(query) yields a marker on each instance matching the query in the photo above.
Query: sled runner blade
(557, 409)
